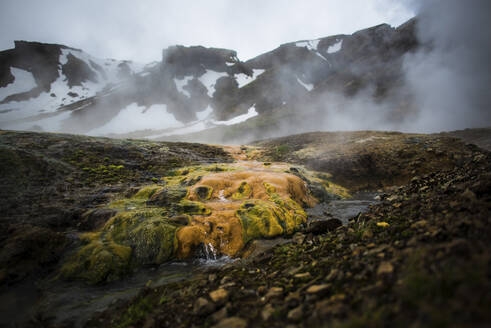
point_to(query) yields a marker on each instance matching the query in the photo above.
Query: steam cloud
(445, 82)
(447, 79)
(451, 76)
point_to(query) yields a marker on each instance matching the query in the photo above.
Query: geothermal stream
(58, 300)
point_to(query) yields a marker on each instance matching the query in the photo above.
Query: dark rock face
(38, 58)
(77, 71)
(181, 61)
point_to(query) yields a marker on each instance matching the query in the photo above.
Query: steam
(445, 83)
(450, 77)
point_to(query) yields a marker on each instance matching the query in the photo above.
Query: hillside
(104, 217)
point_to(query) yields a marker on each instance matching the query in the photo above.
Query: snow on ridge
(243, 79)
(335, 47)
(180, 83)
(312, 46)
(307, 86)
(23, 81)
(309, 44)
(209, 80)
(134, 118)
(251, 112)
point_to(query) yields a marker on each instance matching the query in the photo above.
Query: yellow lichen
(244, 191)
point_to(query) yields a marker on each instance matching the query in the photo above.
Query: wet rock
(203, 307)
(318, 227)
(232, 322)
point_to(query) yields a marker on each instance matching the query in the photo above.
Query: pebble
(267, 312)
(274, 292)
(385, 268)
(202, 306)
(296, 314)
(219, 296)
(318, 289)
(232, 322)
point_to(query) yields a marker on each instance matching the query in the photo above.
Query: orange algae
(244, 205)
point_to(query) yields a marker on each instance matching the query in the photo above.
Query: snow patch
(45, 103)
(134, 118)
(307, 86)
(204, 113)
(180, 83)
(312, 46)
(209, 80)
(335, 47)
(244, 79)
(239, 119)
(23, 82)
(309, 44)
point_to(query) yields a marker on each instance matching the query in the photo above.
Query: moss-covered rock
(267, 219)
(190, 207)
(128, 240)
(167, 196)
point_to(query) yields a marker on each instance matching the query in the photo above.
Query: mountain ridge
(193, 89)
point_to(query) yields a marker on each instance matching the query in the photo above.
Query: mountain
(56, 88)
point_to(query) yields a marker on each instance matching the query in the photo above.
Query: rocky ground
(420, 256)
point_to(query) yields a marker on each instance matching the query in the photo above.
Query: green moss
(267, 219)
(96, 262)
(139, 200)
(189, 207)
(146, 192)
(135, 313)
(244, 191)
(129, 239)
(192, 174)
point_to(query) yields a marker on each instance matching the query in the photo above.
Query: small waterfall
(209, 252)
(222, 197)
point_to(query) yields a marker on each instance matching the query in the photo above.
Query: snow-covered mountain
(57, 88)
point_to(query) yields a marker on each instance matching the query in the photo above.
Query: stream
(75, 302)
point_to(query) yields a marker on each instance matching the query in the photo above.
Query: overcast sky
(139, 30)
